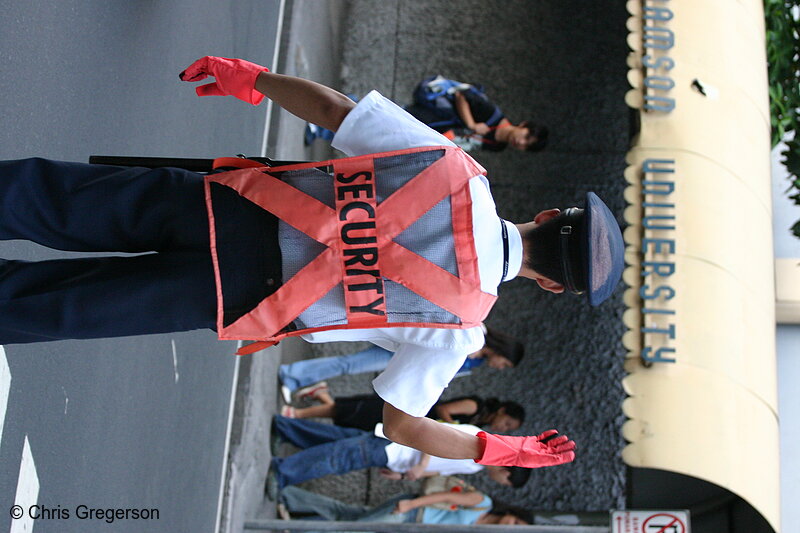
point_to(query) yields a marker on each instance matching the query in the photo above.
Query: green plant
(783, 57)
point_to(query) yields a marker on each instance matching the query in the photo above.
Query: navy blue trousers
(159, 213)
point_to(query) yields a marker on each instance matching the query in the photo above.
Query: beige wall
(701, 315)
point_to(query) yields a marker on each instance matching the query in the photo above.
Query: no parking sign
(650, 522)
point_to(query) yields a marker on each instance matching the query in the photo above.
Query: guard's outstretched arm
(250, 82)
(311, 101)
(431, 437)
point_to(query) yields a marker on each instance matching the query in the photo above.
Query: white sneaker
(286, 394)
(283, 512)
(311, 391)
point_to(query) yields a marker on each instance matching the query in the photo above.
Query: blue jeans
(309, 371)
(298, 500)
(326, 450)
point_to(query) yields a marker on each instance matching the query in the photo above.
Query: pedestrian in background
(499, 351)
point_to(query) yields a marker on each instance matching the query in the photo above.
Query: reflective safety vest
(375, 241)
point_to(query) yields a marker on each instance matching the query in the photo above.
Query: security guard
(262, 252)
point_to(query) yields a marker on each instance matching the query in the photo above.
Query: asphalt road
(137, 423)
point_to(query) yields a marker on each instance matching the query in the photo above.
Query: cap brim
(605, 250)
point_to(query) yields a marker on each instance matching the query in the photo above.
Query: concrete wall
(562, 64)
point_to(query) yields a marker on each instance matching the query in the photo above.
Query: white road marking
(224, 478)
(27, 491)
(175, 359)
(66, 399)
(5, 389)
(273, 66)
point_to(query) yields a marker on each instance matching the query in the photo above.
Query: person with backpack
(463, 113)
(327, 251)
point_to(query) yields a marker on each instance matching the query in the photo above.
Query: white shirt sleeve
(402, 458)
(416, 376)
(377, 124)
(452, 467)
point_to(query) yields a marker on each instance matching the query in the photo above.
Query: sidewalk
(310, 48)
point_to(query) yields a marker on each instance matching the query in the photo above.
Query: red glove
(546, 449)
(235, 77)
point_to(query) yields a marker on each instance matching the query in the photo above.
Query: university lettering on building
(659, 180)
(659, 39)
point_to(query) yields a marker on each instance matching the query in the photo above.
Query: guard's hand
(235, 77)
(547, 449)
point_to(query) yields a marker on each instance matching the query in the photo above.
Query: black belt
(505, 248)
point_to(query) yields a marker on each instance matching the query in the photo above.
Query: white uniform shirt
(402, 458)
(425, 359)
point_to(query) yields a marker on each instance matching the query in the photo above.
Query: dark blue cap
(604, 249)
(592, 250)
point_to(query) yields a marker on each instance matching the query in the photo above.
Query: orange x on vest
(360, 252)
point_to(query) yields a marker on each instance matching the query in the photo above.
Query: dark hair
(543, 248)
(518, 476)
(492, 405)
(538, 131)
(502, 344)
(523, 514)
(514, 410)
